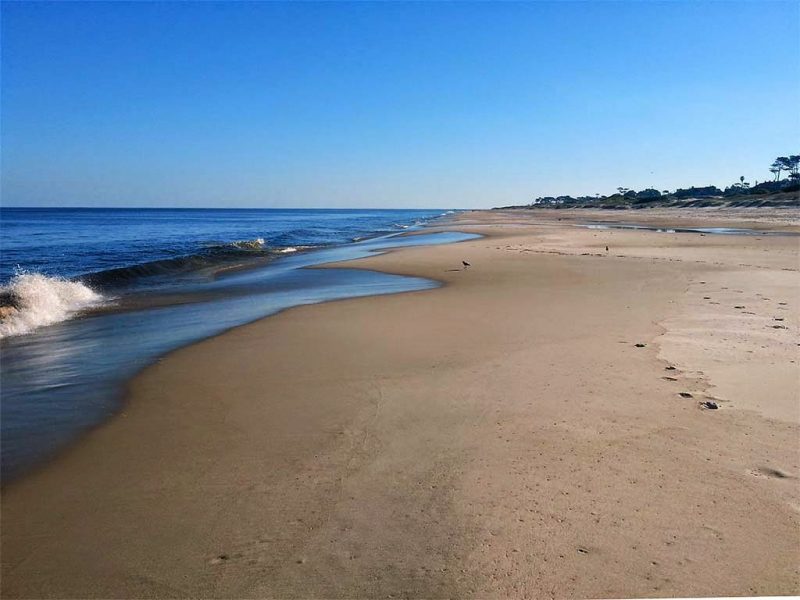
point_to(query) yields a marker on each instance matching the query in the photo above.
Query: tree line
(790, 165)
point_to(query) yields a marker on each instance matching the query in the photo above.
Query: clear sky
(390, 104)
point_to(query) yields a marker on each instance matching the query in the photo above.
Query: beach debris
(466, 264)
(666, 378)
(777, 318)
(778, 326)
(670, 368)
(706, 297)
(709, 405)
(583, 551)
(738, 307)
(640, 345)
(219, 559)
(685, 395)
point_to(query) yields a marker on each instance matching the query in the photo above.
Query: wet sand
(533, 428)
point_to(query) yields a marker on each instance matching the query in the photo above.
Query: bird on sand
(465, 263)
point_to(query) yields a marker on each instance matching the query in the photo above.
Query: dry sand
(501, 436)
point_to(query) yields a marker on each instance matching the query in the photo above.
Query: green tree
(776, 168)
(788, 163)
(794, 164)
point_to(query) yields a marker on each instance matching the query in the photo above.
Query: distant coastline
(780, 192)
(787, 199)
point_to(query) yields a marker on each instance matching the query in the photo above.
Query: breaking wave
(32, 300)
(256, 244)
(214, 255)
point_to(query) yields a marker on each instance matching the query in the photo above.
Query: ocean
(92, 296)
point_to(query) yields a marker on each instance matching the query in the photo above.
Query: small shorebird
(465, 263)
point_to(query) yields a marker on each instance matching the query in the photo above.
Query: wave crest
(213, 255)
(256, 244)
(32, 300)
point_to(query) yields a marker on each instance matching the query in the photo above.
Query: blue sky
(390, 104)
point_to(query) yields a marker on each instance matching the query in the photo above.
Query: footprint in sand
(770, 472)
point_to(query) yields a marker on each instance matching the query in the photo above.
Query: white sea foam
(38, 300)
(287, 250)
(256, 244)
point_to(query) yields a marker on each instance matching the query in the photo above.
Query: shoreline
(784, 218)
(353, 418)
(113, 385)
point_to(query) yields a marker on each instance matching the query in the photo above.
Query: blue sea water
(97, 294)
(77, 241)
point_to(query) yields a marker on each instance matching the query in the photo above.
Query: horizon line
(228, 208)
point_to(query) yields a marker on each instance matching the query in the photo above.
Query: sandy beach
(532, 428)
